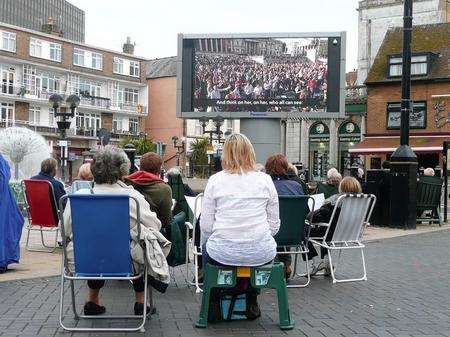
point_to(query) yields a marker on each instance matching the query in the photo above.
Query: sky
(154, 25)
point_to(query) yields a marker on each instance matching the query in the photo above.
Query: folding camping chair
(101, 246)
(42, 212)
(292, 237)
(355, 211)
(191, 246)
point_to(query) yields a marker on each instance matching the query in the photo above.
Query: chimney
(50, 27)
(128, 47)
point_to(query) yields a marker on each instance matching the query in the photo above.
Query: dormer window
(419, 65)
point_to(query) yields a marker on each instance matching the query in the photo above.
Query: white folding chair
(354, 214)
(191, 248)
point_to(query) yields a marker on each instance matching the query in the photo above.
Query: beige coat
(150, 224)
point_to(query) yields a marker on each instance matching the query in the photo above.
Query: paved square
(407, 294)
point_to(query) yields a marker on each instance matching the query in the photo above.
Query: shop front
(349, 135)
(319, 150)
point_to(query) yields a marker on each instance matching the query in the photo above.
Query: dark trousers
(319, 231)
(138, 284)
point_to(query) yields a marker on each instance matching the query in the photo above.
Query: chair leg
(72, 293)
(204, 310)
(307, 274)
(50, 249)
(283, 306)
(27, 247)
(336, 280)
(197, 283)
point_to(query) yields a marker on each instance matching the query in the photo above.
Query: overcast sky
(154, 25)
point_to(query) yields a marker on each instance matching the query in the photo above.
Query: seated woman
(323, 215)
(84, 178)
(240, 212)
(108, 167)
(277, 167)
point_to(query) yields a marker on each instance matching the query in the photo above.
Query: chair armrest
(189, 225)
(320, 224)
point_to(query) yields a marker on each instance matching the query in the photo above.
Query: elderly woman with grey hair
(108, 167)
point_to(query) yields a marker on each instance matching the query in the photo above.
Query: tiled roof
(434, 39)
(164, 67)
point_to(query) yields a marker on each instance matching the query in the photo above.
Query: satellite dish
(104, 135)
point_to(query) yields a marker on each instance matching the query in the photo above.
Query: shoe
(287, 272)
(139, 309)
(93, 309)
(252, 310)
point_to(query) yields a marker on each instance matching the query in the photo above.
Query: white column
(363, 127)
(304, 143)
(333, 143)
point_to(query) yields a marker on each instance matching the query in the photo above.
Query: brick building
(111, 85)
(430, 92)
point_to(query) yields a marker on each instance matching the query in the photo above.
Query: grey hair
(260, 167)
(334, 174)
(110, 165)
(174, 171)
(428, 172)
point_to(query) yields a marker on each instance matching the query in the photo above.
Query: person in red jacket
(157, 193)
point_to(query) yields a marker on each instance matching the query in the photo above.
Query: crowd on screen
(276, 77)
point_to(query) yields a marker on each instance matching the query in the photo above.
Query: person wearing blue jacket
(48, 172)
(11, 220)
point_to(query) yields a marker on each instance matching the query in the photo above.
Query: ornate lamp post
(179, 147)
(404, 161)
(63, 123)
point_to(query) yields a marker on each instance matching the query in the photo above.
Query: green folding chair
(268, 276)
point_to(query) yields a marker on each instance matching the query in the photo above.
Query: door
(7, 81)
(7, 114)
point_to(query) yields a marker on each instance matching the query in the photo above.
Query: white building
(377, 16)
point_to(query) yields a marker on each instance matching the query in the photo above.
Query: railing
(128, 106)
(100, 102)
(356, 92)
(116, 134)
(31, 126)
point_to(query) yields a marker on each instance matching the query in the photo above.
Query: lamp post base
(403, 172)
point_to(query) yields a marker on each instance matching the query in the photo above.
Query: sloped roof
(433, 39)
(164, 67)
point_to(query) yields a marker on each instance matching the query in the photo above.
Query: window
(34, 115)
(50, 82)
(78, 57)
(88, 121)
(51, 117)
(35, 47)
(134, 68)
(118, 65)
(7, 81)
(419, 65)
(6, 114)
(134, 125)
(87, 88)
(8, 42)
(97, 61)
(131, 96)
(55, 52)
(417, 118)
(117, 124)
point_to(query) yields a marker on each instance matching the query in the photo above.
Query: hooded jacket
(157, 193)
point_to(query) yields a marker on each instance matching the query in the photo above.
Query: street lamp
(403, 164)
(218, 121)
(63, 123)
(179, 147)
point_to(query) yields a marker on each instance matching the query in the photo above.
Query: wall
(379, 96)
(375, 19)
(161, 123)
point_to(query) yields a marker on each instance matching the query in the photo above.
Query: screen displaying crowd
(286, 79)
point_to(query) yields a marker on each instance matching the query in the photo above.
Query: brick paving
(407, 294)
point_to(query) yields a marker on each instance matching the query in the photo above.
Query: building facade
(430, 92)
(35, 14)
(377, 16)
(111, 85)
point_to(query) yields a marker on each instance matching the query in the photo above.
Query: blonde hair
(238, 155)
(350, 185)
(84, 172)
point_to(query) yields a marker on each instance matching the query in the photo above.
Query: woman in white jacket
(108, 167)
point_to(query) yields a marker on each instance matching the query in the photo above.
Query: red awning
(387, 144)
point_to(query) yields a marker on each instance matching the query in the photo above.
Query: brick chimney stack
(128, 47)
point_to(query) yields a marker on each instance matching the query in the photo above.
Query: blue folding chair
(101, 244)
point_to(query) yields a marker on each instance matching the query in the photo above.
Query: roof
(58, 38)
(163, 67)
(433, 39)
(388, 144)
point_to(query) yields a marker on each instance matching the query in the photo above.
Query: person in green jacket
(148, 182)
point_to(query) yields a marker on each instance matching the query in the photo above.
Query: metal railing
(356, 92)
(30, 125)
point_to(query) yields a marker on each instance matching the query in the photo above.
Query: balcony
(129, 107)
(357, 93)
(95, 101)
(35, 127)
(117, 134)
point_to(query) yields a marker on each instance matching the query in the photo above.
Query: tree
(142, 145)
(199, 157)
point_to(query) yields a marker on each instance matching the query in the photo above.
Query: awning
(388, 144)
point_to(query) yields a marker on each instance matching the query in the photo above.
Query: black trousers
(138, 284)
